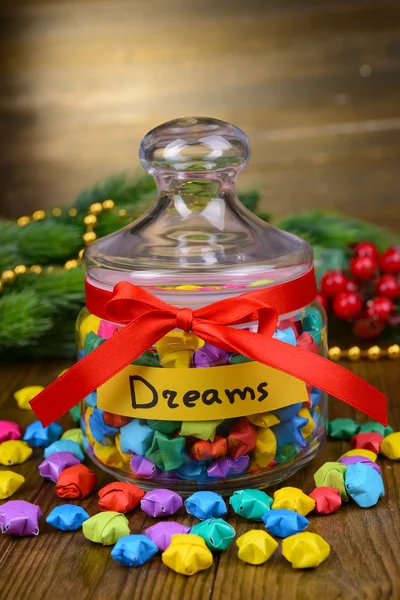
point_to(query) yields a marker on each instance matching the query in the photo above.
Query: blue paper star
(40, 437)
(64, 446)
(285, 335)
(136, 437)
(67, 517)
(134, 550)
(102, 433)
(289, 432)
(283, 522)
(287, 412)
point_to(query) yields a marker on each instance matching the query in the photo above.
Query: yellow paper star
(25, 395)
(293, 499)
(256, 546)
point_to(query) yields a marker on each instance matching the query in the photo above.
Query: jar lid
(197, 237)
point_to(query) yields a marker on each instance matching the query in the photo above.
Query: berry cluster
(367, 293)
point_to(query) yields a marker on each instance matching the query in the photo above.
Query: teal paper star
(166, 453)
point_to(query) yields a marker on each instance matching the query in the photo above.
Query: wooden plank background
(314, 83)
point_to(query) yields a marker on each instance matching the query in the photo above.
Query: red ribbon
(148, 319)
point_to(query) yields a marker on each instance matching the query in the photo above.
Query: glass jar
(197, 245)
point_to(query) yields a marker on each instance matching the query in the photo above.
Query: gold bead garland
(89, 220)
(373, 353)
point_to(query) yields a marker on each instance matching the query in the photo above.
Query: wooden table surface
(365, 544)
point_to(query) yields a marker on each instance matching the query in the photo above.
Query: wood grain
(315, 84)
(365, 548)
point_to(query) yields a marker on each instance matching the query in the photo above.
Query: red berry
(366, 249)
(367, 328)
(351, 286)
(332, 283)
(380, 308)
(388, 286)
(322, 300)
(347, 305)
(363, 267)
(390, 260)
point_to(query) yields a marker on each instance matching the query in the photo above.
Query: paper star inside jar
(242, 438)
(204, 430)
(266, 419)
(203, 450)
(108, 455)
(265, 448)
(166, 453)
(290, 432)
(167, 427)
(136, 437)
(103, 434)
(228, 467)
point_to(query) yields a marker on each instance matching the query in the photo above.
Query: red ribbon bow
(148, 319)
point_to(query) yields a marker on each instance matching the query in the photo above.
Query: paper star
(136, 437)
(166, 453)
(204, 430)
(290, 432)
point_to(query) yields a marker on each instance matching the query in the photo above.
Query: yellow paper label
(199, 394)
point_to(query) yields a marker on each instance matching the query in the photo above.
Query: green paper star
(166, 427)
(92, 341)
(204, 430)
(343, 429)
(250, 504)
(216, 533)
(332, 474)
(237, 359)
(75, 413)
(166, 453)
(147, 359)
(374, 427)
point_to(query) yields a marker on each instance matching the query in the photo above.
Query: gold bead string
(89, 236)
(372, 353)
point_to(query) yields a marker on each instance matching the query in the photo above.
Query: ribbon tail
(100, 365)
(307, 366)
